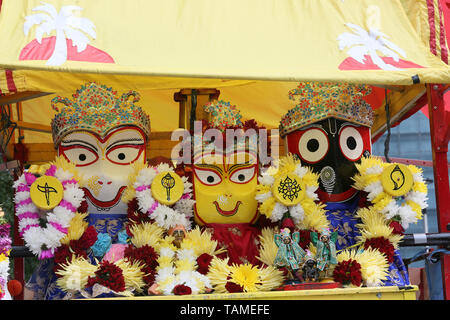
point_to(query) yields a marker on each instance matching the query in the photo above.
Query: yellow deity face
(224, 189)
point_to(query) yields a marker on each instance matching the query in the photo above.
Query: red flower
(397, 227)
(348, 272)
(149, 277)
(288, 223)
(305, 239)
(108, 275)
(181, 290)
(233, 287)
(383, 245)
(363, 202)
(203, 262)
(134, 215)
(145, 254)
(83, 208)
(88, 238)
(62, 255)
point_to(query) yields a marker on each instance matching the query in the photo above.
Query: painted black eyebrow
(209, 166)
(126, 140)
(246, 163)
(81, 142)
(348, 124)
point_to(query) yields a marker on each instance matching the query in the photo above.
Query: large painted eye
(243, 175)
(124, 154)
(79, 155)
(313, 145)
(351, 143)
(207, 176)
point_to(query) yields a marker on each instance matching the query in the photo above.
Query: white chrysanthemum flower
(297, 213)
(278, 212)
(263, 196)
(62, 175)
(373, 190)
(167, 252)
(20, 196)
(300, 170)
(311, 192)
(266, 179)
(145, 200)
(186, 254)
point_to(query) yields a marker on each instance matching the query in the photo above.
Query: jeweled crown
(97, 108)
(321, 100)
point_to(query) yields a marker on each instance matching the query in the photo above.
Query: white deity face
(105, 164)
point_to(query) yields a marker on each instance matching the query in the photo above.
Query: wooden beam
(21, 96)
(33, 127)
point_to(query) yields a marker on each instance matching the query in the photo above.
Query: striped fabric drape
(438, 39)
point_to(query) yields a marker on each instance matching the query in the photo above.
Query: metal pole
(439, 130)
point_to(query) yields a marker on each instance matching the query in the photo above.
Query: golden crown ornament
(320, 100)
(98, 109)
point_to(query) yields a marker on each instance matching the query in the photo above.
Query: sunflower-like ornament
(287, 193)
(395, 190)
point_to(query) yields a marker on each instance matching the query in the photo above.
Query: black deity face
(331, 147)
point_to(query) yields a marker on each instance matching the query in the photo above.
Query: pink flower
(116, 252)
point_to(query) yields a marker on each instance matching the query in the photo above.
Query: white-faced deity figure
(103, 135)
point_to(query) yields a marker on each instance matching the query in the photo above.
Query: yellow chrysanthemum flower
(200, 242)
(129, 193)
(62, 163)
(374, 225)
(132, 273)
(374, 267)
(146, 233)
(77, 226)
(268, 248)
(74, 274)
(246, 275)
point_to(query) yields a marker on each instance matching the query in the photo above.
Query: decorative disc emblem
(288, 189)
(397, 179)
(167, 187)
(46, 192)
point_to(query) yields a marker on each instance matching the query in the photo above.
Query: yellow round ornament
(397, 180)
(167, 187)
(288, 189)
(46, 192)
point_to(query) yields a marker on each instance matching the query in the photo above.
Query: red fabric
(43, 51)
(352, 64)
(241, 240)
(10, 81)
(430, 5)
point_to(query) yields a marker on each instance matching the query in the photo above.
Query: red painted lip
(104, 204)
(227, 213)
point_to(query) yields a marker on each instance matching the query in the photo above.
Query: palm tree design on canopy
(66, 25)
(366, 45)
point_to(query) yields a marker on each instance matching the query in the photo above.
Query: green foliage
(7, 196)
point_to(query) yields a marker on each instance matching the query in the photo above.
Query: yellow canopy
(253, 51)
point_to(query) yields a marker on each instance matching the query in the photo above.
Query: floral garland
(382, 224)
(164, 216)
(43, 241)
(377, 243)
(307, 213)
(5, 248)
(125, 268)
(405, 209)
(184, 270)
(130, 266)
